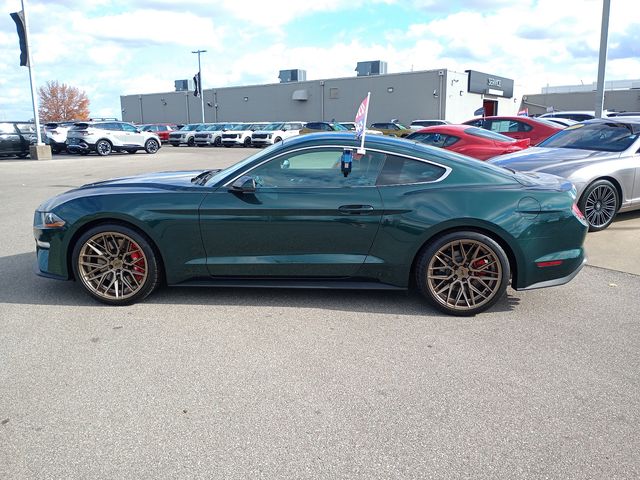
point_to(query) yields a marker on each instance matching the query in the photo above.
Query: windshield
(235, 167)
(602, 137)
(240, 127)
(190, 127)
(337, 126)
(273, 126)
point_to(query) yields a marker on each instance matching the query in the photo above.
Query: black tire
(247, 142)
(599, 203)
(191, 142)
(277, 139)
(217, 142)
(151, 146)
(104, 147)
(89, 267)
(462, 273)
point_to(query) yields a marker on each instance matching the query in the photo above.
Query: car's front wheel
(462, 273)
(103, 148)
(599, 203)
(115, 264)
(151, 146)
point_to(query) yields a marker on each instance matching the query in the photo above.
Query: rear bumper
(559, 275)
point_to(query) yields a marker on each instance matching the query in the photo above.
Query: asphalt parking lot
(276, 384)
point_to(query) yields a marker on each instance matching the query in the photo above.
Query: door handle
(356, 209)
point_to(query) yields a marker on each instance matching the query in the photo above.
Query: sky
(109, 48)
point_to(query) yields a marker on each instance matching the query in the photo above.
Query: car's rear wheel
(115, 264)
(599, 203)
(191, 142)
(151, 146)
(462, 273)
(217, 142)
(247, 142)
(103, 148)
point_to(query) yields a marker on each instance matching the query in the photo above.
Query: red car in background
(161, 129)
(535, 129)
(471, 141)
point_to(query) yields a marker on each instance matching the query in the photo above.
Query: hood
(163, 180)
(166, 181)
(550, 159)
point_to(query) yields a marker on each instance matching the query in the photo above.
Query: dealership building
(430, 94)
(619, 96)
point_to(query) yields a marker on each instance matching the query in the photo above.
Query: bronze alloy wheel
(463, 273)
(112, 266)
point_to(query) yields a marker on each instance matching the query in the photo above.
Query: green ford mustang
(314, 211)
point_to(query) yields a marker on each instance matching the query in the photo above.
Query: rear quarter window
(401, 170)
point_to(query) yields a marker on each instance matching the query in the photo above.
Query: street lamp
(200, 82)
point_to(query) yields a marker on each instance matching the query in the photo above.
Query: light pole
(602, 59)
(200, 82)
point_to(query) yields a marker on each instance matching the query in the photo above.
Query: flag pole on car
(361, 122)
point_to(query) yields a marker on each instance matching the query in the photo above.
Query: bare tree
(62, 102)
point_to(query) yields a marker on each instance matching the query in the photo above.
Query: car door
(304, 219)
(131, 135)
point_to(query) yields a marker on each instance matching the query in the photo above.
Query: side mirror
(244, 184)
(346, 162)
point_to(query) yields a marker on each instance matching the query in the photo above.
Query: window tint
(605, 137)
(318, 169)
(128, 128)
(450, 140)
(401, 170)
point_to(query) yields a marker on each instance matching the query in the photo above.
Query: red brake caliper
(138, 261)
(479, 263)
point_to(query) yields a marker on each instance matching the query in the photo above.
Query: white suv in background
(55, 135)
(275, 132)
(241, 133)
(112, 136)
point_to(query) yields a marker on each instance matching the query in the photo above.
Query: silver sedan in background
(602, 159)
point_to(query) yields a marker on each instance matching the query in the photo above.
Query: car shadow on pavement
(20, 285)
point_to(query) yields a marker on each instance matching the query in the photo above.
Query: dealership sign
(489, 84)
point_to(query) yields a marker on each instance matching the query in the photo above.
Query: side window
(127, 128)
(523, 127)
(318, 169)
(7, 128)
(401, 170)
(313, 126)
(450, 140)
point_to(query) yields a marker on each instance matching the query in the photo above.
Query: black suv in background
(15, 138)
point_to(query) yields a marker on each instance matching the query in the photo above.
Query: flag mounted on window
(361, 122)
(196, 82)
(361, 117)
(479, 111)
(524, 112)
(18, 17)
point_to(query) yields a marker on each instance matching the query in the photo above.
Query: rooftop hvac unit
(183, 85)
(376, 67)
(287, 76)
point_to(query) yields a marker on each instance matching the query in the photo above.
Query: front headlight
(270, 135)
(48, 220)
